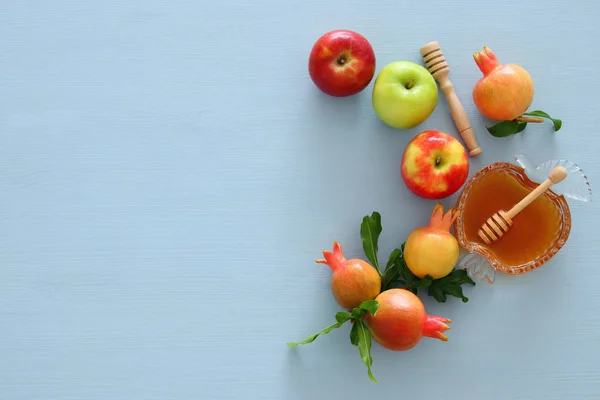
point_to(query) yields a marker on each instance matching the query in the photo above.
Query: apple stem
(529, 119)
(410, 84)
(438, 161)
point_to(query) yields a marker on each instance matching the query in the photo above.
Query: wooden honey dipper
(438, 67)
(498, 224)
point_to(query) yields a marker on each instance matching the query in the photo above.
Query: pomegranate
(432, 249)
(401, 321)
(504, 92)
(353, 281)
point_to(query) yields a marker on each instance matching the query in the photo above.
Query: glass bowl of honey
(539, 231)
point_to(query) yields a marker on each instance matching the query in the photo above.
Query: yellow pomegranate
(432, 249)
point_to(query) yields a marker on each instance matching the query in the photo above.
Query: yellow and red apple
(434, 165)
(341, 63)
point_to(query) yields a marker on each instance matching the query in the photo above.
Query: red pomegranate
(353, 281)
(401, 321)
(505, 91)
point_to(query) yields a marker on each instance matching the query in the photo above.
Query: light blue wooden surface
(168, 174)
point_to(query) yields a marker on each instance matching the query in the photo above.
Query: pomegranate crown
(333, 259)
(486, 60)
(442, 221)
(435, 326)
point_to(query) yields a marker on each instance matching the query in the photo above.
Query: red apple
(341, 63)
(434, 165)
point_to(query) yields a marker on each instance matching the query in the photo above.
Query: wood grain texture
(168, 175)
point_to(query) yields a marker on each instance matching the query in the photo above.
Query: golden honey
(534, 229)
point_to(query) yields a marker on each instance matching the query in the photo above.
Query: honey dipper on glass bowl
(439, 69)
(498, 224)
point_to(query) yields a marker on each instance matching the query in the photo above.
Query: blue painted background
(169, 173)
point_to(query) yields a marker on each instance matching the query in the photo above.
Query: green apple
(404, 94)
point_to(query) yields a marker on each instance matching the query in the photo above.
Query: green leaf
(423, 283)
(343, 316)
(456, 291)
(521, 126)
(370, 229)
(390, 277)
(462, 276)
(450, 285)
(397, 284)
(357, 313)
(437, 293)
(371, 306)
(354, 334)
(538, 113)
(506, 128)
(391, 271)
(363, 334)
(404, 272)
(313, 337)
(393, 256)
(398, 275)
